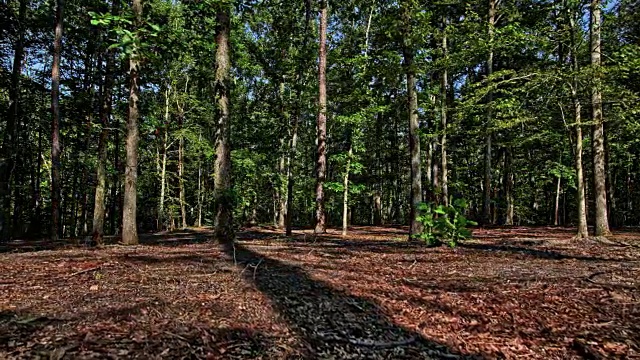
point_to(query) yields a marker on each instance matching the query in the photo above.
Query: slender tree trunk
(99, 205)
(200, 188)
(163, 163)
(443, 107)
(321, 165)
(129, 218)
(556, 216)
(486, 203)
(599, 171)
(282, 166)
(583, 231)
(55, 124)
(345, 193)
(414, 128)
(222, 170)
(183, 203)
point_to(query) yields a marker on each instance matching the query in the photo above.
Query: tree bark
(222, 166)
(321, 165)
(55, 124)
(443, 108)
(414, 127)
(599, 171)
(129, 218)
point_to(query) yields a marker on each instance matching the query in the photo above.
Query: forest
(216, 178)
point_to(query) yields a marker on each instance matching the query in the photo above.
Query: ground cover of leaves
(510, 293)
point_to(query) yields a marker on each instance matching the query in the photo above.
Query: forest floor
(509, 293)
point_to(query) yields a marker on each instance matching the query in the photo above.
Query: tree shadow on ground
(330, 322)
(539, 253)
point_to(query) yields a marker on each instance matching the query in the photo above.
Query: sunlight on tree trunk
(321, 166)
(129, 216)
(55, 125)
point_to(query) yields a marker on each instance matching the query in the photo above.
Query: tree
(55, 124)
(222, 196)
(599, 171)
(412, 109)
(321, 165)
(129, 211)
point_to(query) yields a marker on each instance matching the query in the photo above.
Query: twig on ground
(85, 271)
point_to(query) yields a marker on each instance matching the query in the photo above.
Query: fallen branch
(85, 271)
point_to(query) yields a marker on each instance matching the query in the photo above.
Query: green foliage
(444, 224)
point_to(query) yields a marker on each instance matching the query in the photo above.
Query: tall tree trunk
(222, 170)
(443, 108)
(282, 165)
(129, 216)
(583, 231)
(163, 163)
(599, 171)
(345, 192)
(7, 152)
(200, 187)
(414, 127)
(99, 205)
(486, 203)
(55, 124)
(321, 165)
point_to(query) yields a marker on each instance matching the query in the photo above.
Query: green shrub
(444, 224)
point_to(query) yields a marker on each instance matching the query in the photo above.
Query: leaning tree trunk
(414, 131)
(321, 165)
(599, 171)
(129, 220)
(55, 124)
(222, 166)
